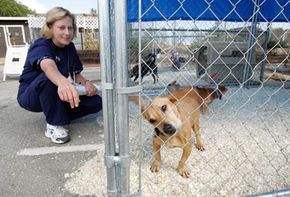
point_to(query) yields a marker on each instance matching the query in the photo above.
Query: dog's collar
(218, 94)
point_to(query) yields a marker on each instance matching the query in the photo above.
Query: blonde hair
(53, 15)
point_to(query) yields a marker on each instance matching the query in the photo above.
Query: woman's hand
(90, 88)
(67, 92)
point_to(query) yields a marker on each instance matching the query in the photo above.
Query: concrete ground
(30, 164)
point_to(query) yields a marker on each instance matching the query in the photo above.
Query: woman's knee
(96, 103)
(93, 103)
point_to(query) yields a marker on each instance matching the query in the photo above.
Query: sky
(75, 6)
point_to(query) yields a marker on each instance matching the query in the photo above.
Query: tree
(93, 11)
(13, 8)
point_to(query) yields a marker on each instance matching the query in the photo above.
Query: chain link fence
(246, 134)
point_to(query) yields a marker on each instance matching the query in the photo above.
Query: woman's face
(62, 31)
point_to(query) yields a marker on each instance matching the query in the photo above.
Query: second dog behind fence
(148, 67)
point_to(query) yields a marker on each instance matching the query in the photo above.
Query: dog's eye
(163, 108)
(152, 121)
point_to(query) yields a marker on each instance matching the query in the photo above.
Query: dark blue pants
(41, 96)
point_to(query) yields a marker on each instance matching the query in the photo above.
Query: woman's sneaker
(57, 134)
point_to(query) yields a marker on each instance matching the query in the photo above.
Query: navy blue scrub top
(66, 59)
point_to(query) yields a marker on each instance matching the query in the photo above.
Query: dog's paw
(199, 147)
(183, 172)
(155, 167)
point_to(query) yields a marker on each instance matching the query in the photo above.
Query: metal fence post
(113, 48)
(267, 37)
(121, 75)
(107, 93)
(248, 69)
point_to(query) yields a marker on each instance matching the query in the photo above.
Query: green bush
(193, 45)
(274, 43)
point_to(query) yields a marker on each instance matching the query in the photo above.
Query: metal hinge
(122, 161)
(129, 90)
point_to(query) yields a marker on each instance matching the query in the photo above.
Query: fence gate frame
(115, 90)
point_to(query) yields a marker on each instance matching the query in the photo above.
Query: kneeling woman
(44, 83)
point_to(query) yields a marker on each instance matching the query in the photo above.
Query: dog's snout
(169, 129)
(131, 74)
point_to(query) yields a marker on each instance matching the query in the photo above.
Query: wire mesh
(246, 134)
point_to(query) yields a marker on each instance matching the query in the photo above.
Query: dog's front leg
(182, 170)
(155, 166)
(195, 128)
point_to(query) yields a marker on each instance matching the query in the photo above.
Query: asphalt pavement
(30, 164)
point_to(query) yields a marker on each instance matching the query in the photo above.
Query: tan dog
(174, 117)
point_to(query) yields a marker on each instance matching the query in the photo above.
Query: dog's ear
(135, 100)
(223, 89)
(220, 92)
(172, 84)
